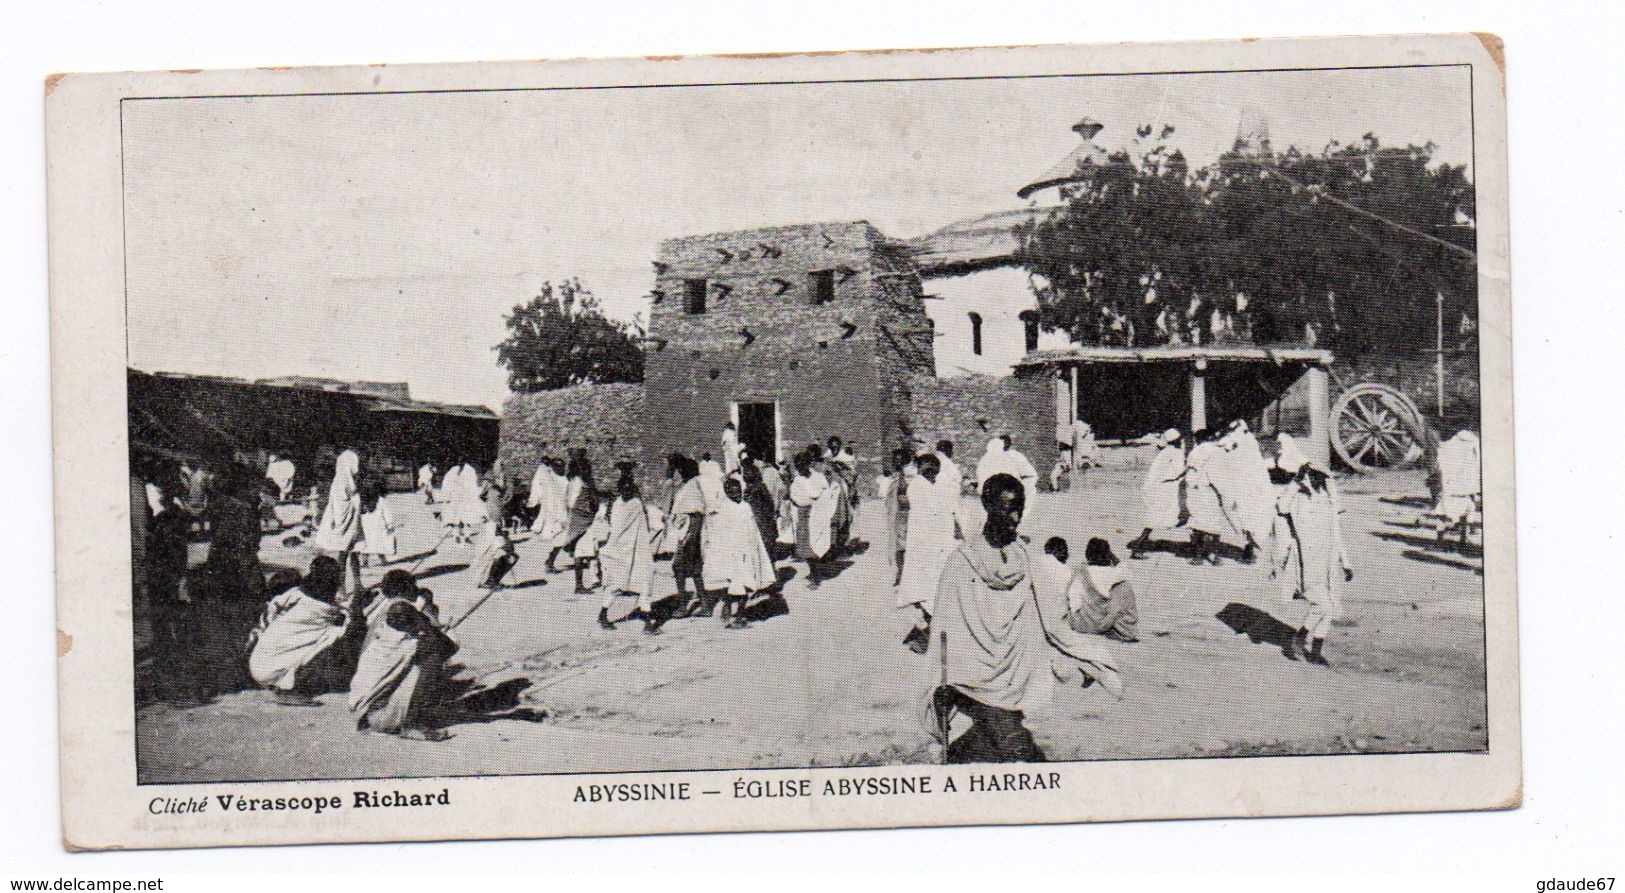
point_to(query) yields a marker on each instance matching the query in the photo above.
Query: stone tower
(794, 333)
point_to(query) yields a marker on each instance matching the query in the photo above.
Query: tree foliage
(561, 337)
(1259, 247)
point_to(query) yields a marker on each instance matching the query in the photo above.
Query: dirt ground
(829, 683)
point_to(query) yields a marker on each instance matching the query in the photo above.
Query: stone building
(792, 333)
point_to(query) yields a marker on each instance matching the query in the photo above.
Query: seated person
(304, 643)
(1104, 604)
(399, 681)
(1099, 598)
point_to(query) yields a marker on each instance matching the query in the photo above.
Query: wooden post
(1076, 409)
(1320, 444)
(1438, 351)
(1199, 395)
(1063, 402)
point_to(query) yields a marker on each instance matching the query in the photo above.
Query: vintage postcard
(851, 440)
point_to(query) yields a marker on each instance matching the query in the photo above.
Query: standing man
(730, 449)
(1209, 517)
(1316, 563)
(426, 482)
(1161, 490)
(930, 540)
(1002, 637)
(1002, 457)
(1085, 454)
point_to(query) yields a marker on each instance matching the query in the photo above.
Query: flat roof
(1178, 354)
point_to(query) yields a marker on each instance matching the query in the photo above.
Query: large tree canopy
(561, 337)
(1346, 248)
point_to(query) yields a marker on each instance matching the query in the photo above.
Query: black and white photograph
(710, 427)
(815, 418)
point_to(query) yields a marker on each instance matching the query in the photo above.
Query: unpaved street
(828, 682)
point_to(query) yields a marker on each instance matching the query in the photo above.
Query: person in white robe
(627, 557)
(281, 472)
(1085, 452)
(1316, 565)
(1243, 482)
(685, 526)
(930, 540)
(1209, 519)
(589, 572)
(426, 482)
(378, 527)
(730, 449)
(816, 501)
(739, 563)
(1000, 457)
(549, 492)
(340, 526)
(398, 686)
(1001, 641)
(1160, 493)
(304, 643)
(711, 476)
(1460, 487)
(1099, 599)
(787, 510)
(951, 476)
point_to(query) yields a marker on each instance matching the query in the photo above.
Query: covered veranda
(1128, 392)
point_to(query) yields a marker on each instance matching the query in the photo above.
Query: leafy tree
(1345, 248)
(561, 337)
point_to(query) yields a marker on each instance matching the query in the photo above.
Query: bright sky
(383, 237)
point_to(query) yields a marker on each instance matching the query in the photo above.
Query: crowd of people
(1005, 617)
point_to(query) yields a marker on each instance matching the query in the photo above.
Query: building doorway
(758, 425)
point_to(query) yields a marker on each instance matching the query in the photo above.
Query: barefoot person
(397, 687)
(627, 556)
(1244, 483)
(892, 489)
(816, 501)
(1210, 518)
(1315, 564)
(1003, 638)
(581, 501)
(930, 542)
(739, 564)
(685, 528)
(1161, 490)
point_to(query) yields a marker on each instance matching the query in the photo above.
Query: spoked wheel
(1375, 427)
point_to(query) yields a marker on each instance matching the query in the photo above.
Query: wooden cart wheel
(1376, 426)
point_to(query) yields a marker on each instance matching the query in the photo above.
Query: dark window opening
(1029, 323)
(694, 295)
(822, 286)
(976, 333)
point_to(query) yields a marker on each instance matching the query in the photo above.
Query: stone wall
(970, 409)
(604, 419)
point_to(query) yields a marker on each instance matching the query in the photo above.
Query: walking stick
(434, 551)
(942, 706)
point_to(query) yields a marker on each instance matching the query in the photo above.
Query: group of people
(387, 647)
(1288, 508)
(1006, 618)
(723, 523)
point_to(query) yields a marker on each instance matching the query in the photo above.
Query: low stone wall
(604, 419)
(969, 410)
